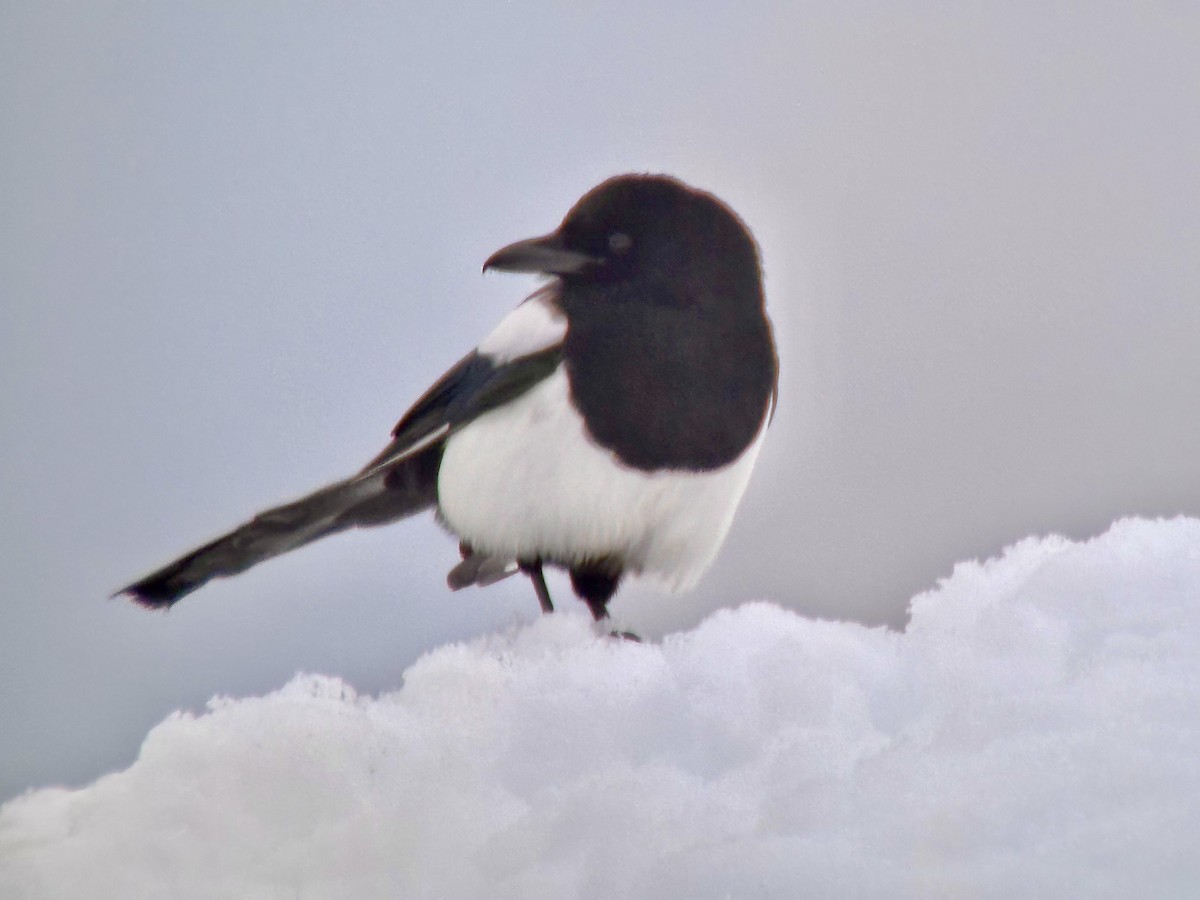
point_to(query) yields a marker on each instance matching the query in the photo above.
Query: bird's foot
(625, 636)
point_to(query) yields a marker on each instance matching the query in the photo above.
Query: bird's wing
(524, 348)
(474, 386)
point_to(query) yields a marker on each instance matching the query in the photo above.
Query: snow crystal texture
(1035, 732)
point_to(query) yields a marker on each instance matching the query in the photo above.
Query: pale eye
(619, 242)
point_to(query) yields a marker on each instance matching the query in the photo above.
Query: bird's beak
(545, 255)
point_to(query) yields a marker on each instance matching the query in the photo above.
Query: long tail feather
(385, 495)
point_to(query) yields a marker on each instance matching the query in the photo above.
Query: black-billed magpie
(608, 425)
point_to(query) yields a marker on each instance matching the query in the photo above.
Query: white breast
(526, 481)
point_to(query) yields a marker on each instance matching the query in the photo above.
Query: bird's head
(635, 227)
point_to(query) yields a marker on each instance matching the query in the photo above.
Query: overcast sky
(236, 241)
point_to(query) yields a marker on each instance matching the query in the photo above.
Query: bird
(607, 426)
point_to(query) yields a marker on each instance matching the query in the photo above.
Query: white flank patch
(533, 326)
(526, 480)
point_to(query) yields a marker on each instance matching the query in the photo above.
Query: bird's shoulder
(522, 350)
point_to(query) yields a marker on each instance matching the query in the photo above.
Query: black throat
(670, 375)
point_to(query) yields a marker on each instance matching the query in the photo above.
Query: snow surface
(1035, 732)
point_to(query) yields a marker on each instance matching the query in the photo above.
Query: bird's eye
(619, 242)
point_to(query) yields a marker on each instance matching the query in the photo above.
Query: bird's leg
(595, 585)
(534, 571)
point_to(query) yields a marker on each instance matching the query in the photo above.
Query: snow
(1034, 732)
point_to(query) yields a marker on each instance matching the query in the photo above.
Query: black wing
(400, 481)
(471, 388)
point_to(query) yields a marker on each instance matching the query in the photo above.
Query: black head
(668, 349)
(636, 229)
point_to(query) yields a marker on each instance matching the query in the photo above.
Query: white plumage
(526, 480)
(534, 325)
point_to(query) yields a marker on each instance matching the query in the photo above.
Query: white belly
(526, 481)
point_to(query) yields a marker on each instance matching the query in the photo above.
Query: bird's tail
(373, 497)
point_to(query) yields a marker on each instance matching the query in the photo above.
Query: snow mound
(1034, 732)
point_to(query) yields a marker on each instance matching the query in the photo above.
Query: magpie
(607, 426)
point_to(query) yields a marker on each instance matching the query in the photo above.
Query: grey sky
(236, 241)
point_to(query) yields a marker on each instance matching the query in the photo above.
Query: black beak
(545, 255)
